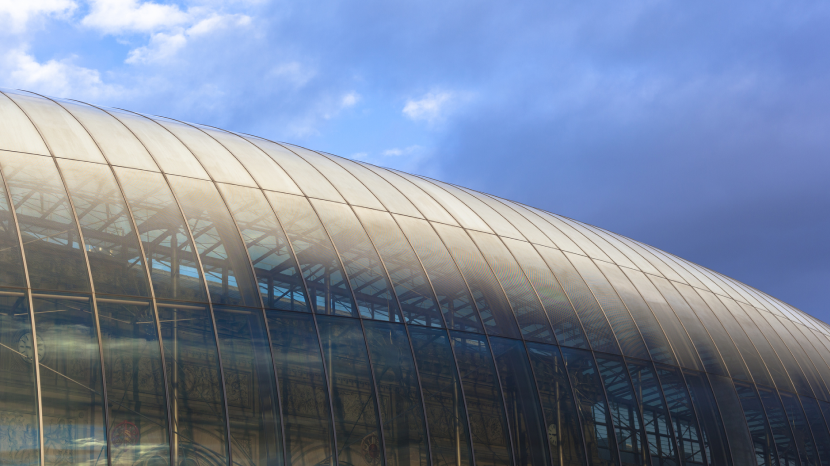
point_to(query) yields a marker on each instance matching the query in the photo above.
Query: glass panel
(780, 428)
(347, 185)
(683, 348)
(135, 382)
(535, 216)
(462, 213)
(748, 352)
(524, 413)
(167, 248)
(800, 428)
(527, 308)
(655, 416)
(814, 349)
(593, 320)
(70, 380)
(560, 415)
(490, 433)
(656, 262)
(224, 259)
(684, 421)
(111, 243)
(612, 252)
(352, 391)
(194, 384)
(562, 317)
(709, 317)
(11, 261)
(625, 412)
(18, 133)
(784, 353)
(400, 397)
(740, 441)
(785, 331)
(388, 195)
(628, 336)
(250, 387)
(263, 169)
(528, 230)
(706, 349)
(492, 304)
(776, 369)
(818, 427)
(430, 209)
(304, 175)
(591, 249)
(278, 277)
(658, 345)
(217, 161)
(309, 433)
(714, 434)
(494, 220)
(411, 285)
(63, 134)
(445, 406)
(168, 152)
(453, 296)
(50, 236)
(329, 291)
(762, 438)
(590, 398)
(681, 273)
(639, 262)
(118, 144)
(368, 278)
(825, 409)
(20, 442)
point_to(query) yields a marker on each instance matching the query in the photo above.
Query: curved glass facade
(178, 294)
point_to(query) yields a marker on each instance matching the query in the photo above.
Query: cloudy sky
(698, 127)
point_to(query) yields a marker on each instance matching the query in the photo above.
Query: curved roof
(395, 245)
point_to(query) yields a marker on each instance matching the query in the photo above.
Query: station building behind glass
(177, 294)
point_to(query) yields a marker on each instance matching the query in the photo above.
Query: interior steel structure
(173, 293)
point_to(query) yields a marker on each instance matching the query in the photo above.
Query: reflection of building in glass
(175, 293)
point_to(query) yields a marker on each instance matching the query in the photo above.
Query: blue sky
(698, 127)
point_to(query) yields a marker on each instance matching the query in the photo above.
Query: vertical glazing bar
(35, 355)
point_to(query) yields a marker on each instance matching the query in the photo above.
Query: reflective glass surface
(168, 250)
(352, 388)
(329, 292)
(135, 382)
(20, 443)
(443, 398)
(46, 221)
(71, 383)
(176, 294)
(306, 411)
(485, 406)
(593, 407)
(195, 389)
(399, 394)
(115, 259)
(562, 424)
(250, 387)
(278, 278)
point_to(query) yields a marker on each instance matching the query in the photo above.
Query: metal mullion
(92, 290)
(499, 237)
(610, 418)
(406, 329)
(95, 313)
(640, 404)
(212, 318)
(35, 355)
(146, 269)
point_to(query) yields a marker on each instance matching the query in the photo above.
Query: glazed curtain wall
(192, 296)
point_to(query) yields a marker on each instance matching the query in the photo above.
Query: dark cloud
(697, 127)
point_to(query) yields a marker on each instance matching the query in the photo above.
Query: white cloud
(128, 16)
(350, 100)
(16, 14)
(432, 107)
(396, 152)
(54, 77)
(161, 47)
